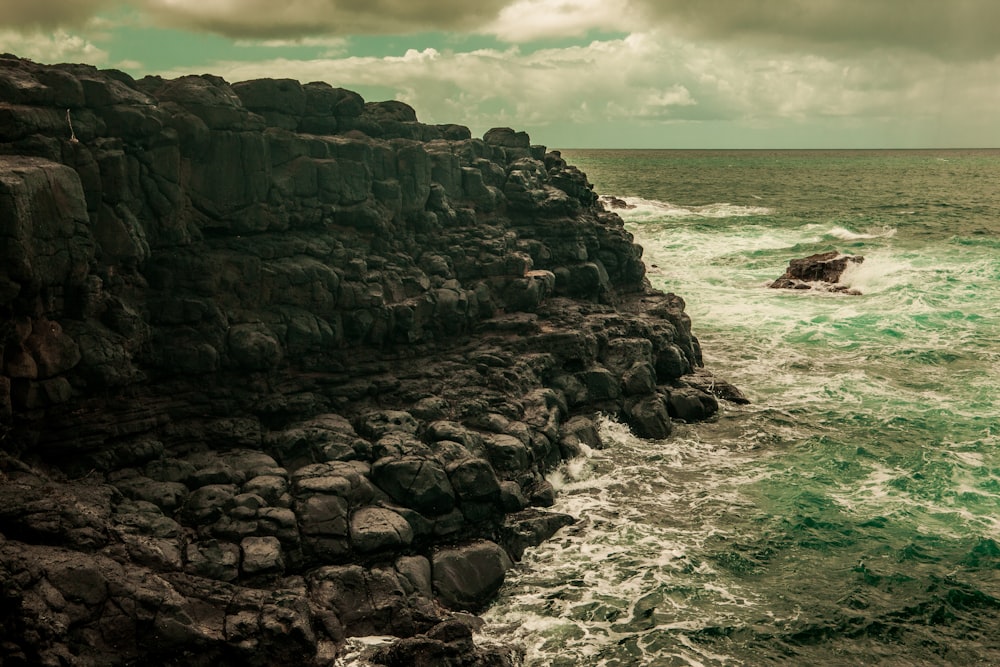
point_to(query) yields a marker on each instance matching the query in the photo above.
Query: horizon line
(883, 148)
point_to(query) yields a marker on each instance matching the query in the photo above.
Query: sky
(580, 73)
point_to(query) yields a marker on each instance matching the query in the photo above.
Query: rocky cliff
(280, 366)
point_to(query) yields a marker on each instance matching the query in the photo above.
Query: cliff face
(280, 366)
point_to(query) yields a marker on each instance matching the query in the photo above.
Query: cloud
(296, 18)
(953, 29)
(957, 28)
(52, 46)
(331, 46)
(962, 29)
(50, 13)
(655, 80)
(528, 20)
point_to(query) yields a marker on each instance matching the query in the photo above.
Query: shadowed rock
(821, 271)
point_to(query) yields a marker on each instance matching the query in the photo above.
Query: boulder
(213, 559)
(448, 643)
(392, 110)
(507, 138)
(377, 529)
(467, 577)
(209, 98)
(821, 271)
(281, 95)
(649, 416)
(367, 601)
(261, 555)
(323, 515)
(529, 528)
(691, 405)
(415, 482)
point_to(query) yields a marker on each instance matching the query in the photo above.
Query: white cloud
(332, 47)
(528, 20)
(52, 47)
(655, 79)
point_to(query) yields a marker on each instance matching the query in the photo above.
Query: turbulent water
(851, 514)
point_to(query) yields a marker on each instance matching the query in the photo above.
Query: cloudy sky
(581, 73)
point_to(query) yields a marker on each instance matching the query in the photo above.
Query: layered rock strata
(280, 367)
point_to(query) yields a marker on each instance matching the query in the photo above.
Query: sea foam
(639, 210)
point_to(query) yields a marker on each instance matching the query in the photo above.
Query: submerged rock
(821, 271)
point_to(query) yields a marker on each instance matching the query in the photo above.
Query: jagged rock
(649, 416)
(691, 405)
(366, 600)
(267, 335)
(577, 433)
(819, 271)
(529, 528)
(448, 644)
(716, 386)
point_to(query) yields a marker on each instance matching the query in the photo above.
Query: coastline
(282, 366)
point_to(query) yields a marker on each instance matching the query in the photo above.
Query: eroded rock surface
(822, 271)
(279, 366)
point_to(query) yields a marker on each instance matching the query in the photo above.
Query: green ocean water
(851, 514)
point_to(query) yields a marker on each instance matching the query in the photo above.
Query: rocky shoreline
(281, 367)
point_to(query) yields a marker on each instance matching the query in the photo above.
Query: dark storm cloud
(267, 18)
(48, 13)
(950, 28)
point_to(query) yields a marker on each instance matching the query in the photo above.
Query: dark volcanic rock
(448, 644)
(468, 576)
(820, 271)
(279, 367)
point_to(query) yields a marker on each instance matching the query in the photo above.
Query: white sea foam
(849, 235)
(641, 210)
(851, 396)
(356, 648)
(647, 510)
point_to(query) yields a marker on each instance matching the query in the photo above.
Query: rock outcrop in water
(281, 367)
(821, 271)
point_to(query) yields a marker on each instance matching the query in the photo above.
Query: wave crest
(637, 209)
(845, 234)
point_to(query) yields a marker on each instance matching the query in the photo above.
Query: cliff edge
(280, 366)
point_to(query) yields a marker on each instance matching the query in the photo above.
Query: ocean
(850, 515)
